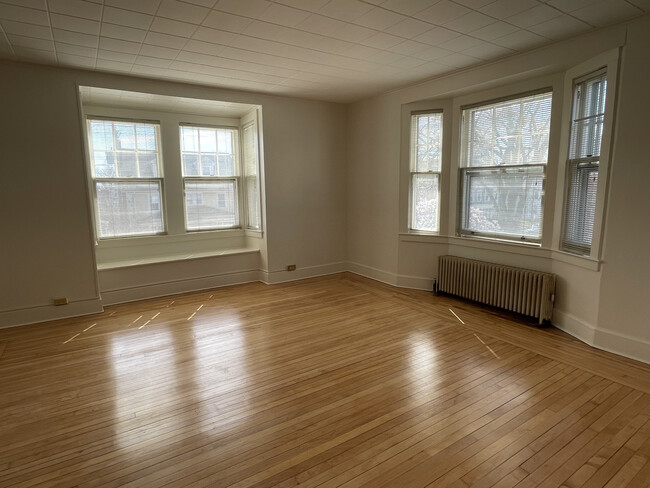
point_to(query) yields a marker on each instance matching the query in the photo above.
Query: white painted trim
(622, 344)
(44, 313)
(173, 287)
(415, 282)
(282, 276)
(574, 326)
(373, 273)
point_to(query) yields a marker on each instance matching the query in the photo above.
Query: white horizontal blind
(503, 161)
(210, 177)
(251, 175)
(125, 166)
(426, 158)
(582, 167)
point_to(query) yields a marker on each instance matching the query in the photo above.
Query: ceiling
(338, 50)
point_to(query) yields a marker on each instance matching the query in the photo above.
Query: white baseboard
(622, 344)
(415, 282)
(282, 276)
(574, 326)
(173, 287)
(605, 339)
(373, 273)
(44, 313)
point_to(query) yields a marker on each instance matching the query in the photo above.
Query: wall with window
(48, 243)
(593, 292)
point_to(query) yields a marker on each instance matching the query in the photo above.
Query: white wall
(47, 238)
(590, 295)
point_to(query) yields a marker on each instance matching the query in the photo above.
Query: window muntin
(425, 168)
(504, 151)
(587, 122)
(210, 177)
(125, 167)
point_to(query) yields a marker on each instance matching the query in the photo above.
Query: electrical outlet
(60, 301)
(291, 267)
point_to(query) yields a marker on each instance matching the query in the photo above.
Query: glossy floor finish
(335, 381)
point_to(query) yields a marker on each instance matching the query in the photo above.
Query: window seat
(126, 263)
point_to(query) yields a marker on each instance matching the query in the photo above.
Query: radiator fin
(519, 290)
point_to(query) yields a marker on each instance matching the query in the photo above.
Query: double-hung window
(587, 122)
(251, 175)
(504, 151)
(127, 177)
(210, 177)
(425, 165)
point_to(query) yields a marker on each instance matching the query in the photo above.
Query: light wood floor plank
(326, 382)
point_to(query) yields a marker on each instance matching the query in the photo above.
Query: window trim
(609, 61)
(459, 146)
(94, 180)
(413, 172)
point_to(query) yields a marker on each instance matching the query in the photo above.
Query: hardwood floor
(334, 381)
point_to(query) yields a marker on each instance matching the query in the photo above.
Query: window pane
(126, 165)
(581, 208)
(104, 164)
(101, 133)
(191, 165)
(226, 167)
(253, 200)
(208, 164)
(512, 132)
(506, 202)
(129, 208)
(224, 141)
(426, 139)
(211, 205)
(208, 141)
(189, 139)
(148, 163)
(249, 156)
(425, 202)
(146, 137)
(124, 135)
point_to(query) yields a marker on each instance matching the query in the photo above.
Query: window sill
(127, 263)
(415, 236)
(585, 262)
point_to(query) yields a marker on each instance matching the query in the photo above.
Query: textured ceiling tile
(409, 47)
(36, 4)
(475, 4)
(122, 32)
(436, 36)
(642, 4)
(506, 8)
(158, 51)
(165, 40)
(354, 33)
(347, 10)
(152, 62)
(142, 6)
(201, 3)
(606, 12)
(78, 8)
(409, 28)
(408, 62)
(77, 38)
(29, 30)
(66, 59)
(432, 54)
(61, 47)
(457, 60)
(470, 22)
(487, 51)
(460, 43)
(119, 45)
(74, 24)
(203, 47)
(35, 55)
(520, 40)
(534, 16)
(493, 31)
(443, 12)
(248, 8)
(115, 56)
(31, 42)
(559, 27)
(379, 19)
(380, 40)
(225, 21)
(283, 15)
(321, 25)
(406, 7)
(309, 5)
(172, 9)
(21, 14)
(172, 27)
(571, 5)
(124, 17)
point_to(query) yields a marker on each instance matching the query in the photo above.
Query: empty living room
(324, 243)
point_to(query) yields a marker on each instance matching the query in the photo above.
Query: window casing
(210, 162)
(504, 152)
(582, 168)
(127, 177)
(425, 168)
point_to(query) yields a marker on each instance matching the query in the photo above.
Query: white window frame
(252, 209)
(608, 61)
(235, 178)
(413, 168)
(466, 172)
(97, 180)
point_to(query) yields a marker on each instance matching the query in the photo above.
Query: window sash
(425, 165)
(206, 217)
(513, 211)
